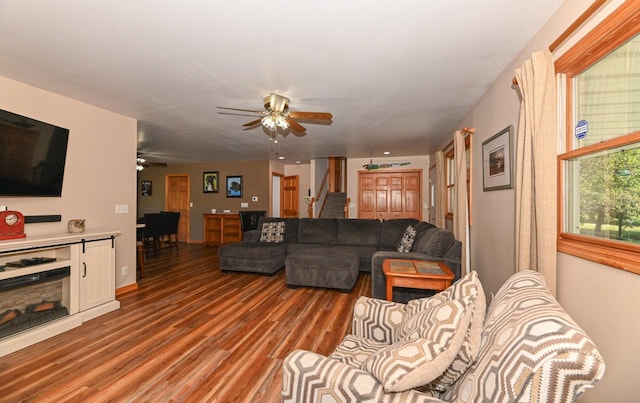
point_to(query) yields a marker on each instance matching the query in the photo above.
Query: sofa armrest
(252, 235)
(377, 319)
(378, 279)
(308, 377)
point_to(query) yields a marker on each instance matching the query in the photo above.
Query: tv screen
(32, 156)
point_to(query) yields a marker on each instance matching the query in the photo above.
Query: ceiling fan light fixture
(268, 122)
(282, 122)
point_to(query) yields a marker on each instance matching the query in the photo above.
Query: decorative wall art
(496, 161)
(234, 186)
(210, 182)
(145, 188)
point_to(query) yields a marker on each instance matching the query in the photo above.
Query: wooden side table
(416, 274)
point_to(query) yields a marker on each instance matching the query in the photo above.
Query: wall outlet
(125, 270)
(122, 208)
(244, 205)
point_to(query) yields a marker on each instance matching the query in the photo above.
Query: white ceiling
(396, 75)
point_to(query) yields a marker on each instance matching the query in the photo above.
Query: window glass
(605, 201)
(607, 101)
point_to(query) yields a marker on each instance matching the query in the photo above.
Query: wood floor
(189, 333)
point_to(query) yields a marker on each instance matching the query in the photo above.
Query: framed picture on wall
(496, 161)
(145, 188)
(210, 182)
(234, 186)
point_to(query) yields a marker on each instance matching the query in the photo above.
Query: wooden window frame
(620, 26)
(449, 161)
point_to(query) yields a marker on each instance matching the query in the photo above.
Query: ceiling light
(386, 153)
(281, 158)
(274, 120)
(269, 122)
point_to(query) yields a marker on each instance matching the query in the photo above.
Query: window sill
(610, 253)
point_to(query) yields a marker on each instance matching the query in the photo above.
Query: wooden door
(291, 195)
(390, 194)
(177, 199)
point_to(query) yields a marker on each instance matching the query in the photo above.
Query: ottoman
(255, 257)
(330, 267)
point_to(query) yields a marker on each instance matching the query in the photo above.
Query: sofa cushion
(358, 232)
(318, 230)
(354, 350)
(272, 232)
(391, 231)
(435, 242)
(406, 242)
(422, 228)
(425, 353)
(468, 287)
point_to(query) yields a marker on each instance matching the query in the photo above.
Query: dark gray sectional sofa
(372, 241)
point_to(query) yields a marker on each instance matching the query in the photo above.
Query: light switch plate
(122, 208)
(244, 205)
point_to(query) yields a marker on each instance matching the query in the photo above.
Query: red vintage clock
(11, 225)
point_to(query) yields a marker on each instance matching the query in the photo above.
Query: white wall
(99, 172)
(601, 299)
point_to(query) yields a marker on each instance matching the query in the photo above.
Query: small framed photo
(234, 186)
(210, 183)
(496, 161)
(145, 188)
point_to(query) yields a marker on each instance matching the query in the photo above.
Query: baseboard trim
(126, 289)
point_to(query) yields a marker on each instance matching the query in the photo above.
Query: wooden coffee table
(416, 274)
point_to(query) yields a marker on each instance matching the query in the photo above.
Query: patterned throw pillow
(426, 352)
(272, 232)
(407, 239)
(468, 287)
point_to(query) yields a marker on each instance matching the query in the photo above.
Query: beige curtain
(441, 200)
(536, 170)
(461, 212)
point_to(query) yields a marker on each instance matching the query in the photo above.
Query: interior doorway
(276, 194)
(291, 196)
(177, 198)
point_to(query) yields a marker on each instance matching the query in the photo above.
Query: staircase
(334, 205)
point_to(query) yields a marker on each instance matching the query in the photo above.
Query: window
(600, 171)
(450, 177)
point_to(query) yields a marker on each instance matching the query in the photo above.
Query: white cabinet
(87, 290)
(97, 274)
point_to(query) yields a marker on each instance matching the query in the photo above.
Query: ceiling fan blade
(243, 110)
(295, 126)
(252, 123)
(311, 115)
(153, 164)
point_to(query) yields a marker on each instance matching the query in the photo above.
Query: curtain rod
(572, 28)
(468, 130)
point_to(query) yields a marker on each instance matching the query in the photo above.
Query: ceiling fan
(142, 163)
(277, 115)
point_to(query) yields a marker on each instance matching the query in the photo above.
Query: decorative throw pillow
(407, 239)
(426, 353)
(468, 287)
(272, 232)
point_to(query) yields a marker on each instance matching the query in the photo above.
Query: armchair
(527, 349)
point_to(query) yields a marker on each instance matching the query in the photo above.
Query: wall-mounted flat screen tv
(32, 156)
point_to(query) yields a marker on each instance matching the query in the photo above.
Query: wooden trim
(605, 145)
(126, 289)
(613, 31)
(572, 28)
(600, 251)
(576, 24)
